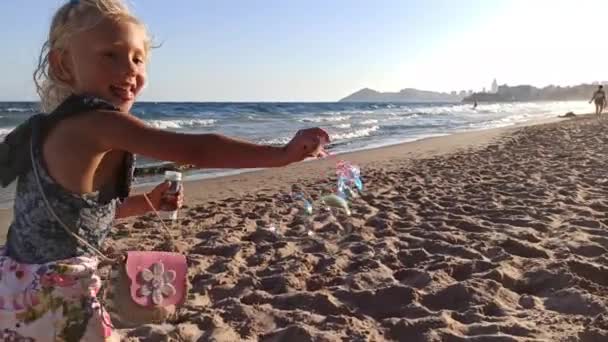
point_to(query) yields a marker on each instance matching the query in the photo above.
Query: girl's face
(108, 61)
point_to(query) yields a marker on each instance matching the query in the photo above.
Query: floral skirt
(55, 301)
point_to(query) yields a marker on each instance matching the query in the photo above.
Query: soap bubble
(349, 185)
(336, 201)
(348, 176)
(306, 204)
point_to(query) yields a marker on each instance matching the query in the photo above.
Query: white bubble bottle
(176, 182)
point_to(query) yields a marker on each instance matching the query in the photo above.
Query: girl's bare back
(73, 158)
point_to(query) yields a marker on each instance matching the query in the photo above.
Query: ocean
(352, 126)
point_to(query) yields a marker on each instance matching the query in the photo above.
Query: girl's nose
(131, 68)
(128, 67)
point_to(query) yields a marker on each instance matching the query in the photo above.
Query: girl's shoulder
(14, 150)
(78, 104)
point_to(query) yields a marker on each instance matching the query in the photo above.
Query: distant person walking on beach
(599, 97)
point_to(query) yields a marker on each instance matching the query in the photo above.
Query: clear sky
(323, 50)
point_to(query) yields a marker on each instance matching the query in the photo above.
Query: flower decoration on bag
(157, 283)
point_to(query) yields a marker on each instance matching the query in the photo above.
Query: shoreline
(315, 170)
(205, 190)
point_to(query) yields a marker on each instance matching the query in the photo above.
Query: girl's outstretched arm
(119, 131)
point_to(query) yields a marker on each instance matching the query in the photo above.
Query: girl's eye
(109, 54)
(138, 60)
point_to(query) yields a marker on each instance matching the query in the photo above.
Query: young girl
(80, 156)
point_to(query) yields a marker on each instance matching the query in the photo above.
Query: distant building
(495, 86)
(484, 90)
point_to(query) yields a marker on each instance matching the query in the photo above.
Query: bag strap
(78, 238)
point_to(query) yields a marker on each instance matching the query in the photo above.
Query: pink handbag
(157, 278)
(147, 287)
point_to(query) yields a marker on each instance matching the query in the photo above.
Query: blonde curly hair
(74, 16)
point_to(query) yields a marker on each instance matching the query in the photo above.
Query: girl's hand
(163, 200)
(307, 143)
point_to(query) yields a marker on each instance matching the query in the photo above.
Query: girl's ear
(59, 66)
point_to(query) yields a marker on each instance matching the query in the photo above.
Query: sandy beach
(495, 235)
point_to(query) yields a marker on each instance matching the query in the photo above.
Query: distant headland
(503, 93)
(404, 95)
